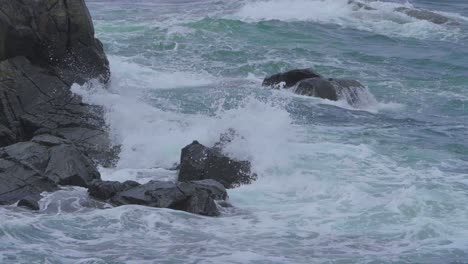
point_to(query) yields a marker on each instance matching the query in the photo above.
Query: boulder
(196, 197)
(55, 158)
(55, 33)
(289, 79)
(331, 89)
(199, 162)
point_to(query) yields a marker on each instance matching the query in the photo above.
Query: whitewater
(385, 181)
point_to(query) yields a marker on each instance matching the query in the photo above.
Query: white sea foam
(152, 137)
(383, 20)
(316, 190)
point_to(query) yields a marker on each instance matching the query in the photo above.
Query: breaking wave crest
(382, 20)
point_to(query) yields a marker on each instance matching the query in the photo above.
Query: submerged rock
(289, 79)
(197, 197)
(199, 162)
(427, 15)
(417, 13)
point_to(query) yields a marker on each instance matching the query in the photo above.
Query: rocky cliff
(49, 136)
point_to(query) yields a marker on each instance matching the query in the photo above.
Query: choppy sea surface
(383, 182)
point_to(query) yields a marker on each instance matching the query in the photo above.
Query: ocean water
(385, 181)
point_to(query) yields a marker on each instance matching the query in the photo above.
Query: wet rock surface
(54, 33)
(289, 79)
(199, 162)
(29, 168)
(329, 88)
(49, 137)
(30, 203)
(35, 101)
(197, 197)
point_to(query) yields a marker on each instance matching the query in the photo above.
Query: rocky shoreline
(50, 138)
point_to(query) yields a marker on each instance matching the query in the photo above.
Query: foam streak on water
(382, 181)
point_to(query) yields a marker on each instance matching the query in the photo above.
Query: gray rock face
(104, 190)
(57, 33)
(33, 99)
(45, 47)
(199, 163)
(19, 180)
(289, 78)
(56, 158)
(194, 197)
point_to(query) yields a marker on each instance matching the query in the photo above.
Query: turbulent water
(385, 181)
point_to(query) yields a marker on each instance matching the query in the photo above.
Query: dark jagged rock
(427, 15)
(56, 33)
(32, 99)
(104, 190)
(198, 162)
(289, 78)
(331, 89)
(196, 197)
(30, 202)
(45, 47)
(55, 158)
